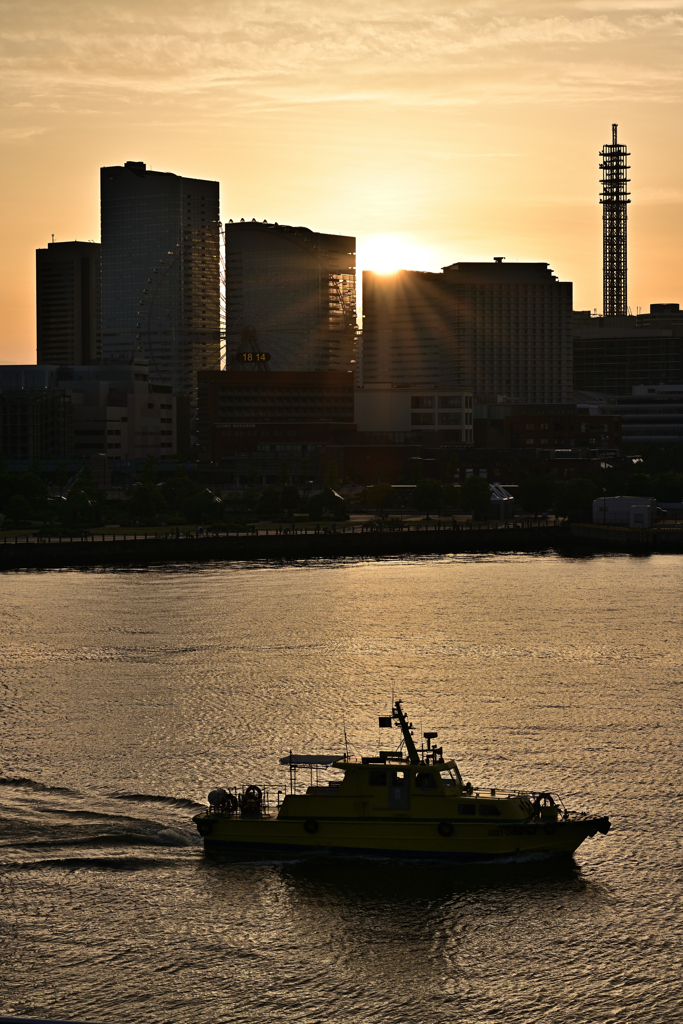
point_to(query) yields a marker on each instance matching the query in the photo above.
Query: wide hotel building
(501, 329)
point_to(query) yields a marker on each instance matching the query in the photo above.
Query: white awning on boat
(310, 760)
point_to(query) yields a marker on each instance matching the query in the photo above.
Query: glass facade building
(290, 296)
(161, 272)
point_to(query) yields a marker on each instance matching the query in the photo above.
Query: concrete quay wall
(625, 538)
(107, 551)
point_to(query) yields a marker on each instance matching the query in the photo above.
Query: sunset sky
(446, 130)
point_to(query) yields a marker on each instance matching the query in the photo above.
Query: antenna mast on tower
(614, 199)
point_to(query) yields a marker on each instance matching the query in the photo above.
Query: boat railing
(535, 798)
(243, 801)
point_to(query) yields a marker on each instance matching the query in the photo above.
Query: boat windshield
(450, 778)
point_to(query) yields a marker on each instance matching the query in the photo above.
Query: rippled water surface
(127, 695)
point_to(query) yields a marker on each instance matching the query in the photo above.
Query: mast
(614, 199)
(399, 714)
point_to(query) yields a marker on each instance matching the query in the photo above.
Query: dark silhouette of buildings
(290, 296)
(272, 417)
(161, 272)
(35, 424)
(614, 199)
(76, 411)
(613, 355)
(68, 295)
(549, 428)
(497, 328)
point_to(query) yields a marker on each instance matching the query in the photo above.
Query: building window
(450, 419)
(422, 419)
(150, 405)
(422, 402)
(450, 401)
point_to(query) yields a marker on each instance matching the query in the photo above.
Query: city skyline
(455, 133)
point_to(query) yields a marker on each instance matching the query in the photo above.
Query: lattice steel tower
(614, 199)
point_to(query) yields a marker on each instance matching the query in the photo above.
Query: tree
(536, 494)
(428, 496)
(575, 499)
(203, 507)
(327, 500)
(290, 498)
(331, 475)
(78, 508)
(381, 496)
(475, 497)
(269, 504)
(17, 509)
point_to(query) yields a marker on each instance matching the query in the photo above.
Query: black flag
(385, 723)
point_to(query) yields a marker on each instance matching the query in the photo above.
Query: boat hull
(441, 840)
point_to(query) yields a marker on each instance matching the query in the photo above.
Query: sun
(386, 254)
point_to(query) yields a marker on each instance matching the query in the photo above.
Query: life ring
(311, 826)
(550, 829)
(445, 829)
(531, 830)
(253, 793)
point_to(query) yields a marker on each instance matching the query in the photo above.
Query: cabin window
(425, 780)
(399, 778)
(448, 778)
(378, 778)
(465, 808)
(492, 810)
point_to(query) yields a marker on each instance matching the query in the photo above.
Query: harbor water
(128, 694)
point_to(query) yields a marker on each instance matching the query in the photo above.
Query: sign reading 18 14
(253, 357)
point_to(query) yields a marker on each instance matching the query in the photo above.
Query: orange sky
(465, 129)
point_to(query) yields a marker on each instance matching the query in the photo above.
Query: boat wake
(49, 826)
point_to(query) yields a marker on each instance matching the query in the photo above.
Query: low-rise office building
(275, 416)
(417, 415)
(615, 354)
(651, 414)
(114, 409)
(503, 425)
(35, 423)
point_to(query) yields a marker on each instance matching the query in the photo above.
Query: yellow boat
(401, 803)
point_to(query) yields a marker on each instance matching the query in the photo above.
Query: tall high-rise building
(161, 272)
(290, 297)
(68, 293)
(497, 328)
